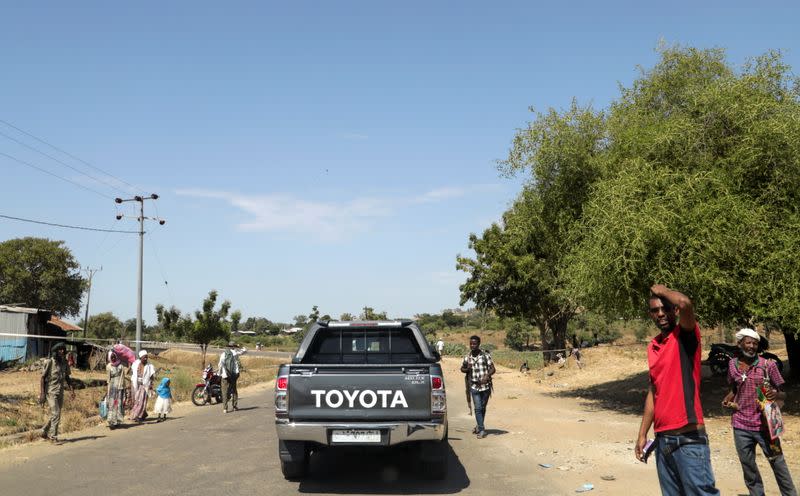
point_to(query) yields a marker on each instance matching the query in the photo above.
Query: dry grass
(20, 414)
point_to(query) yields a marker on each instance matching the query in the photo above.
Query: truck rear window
(364, 345)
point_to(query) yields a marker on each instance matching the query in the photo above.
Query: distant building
(27, 333)
(245, 333)
(292, 330)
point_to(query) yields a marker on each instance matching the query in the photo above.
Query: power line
(161, 267)
(66, 226)
(69, 154)
(62, 162)
(55, 175)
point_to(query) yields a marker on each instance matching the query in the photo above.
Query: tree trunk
(793, 350)
(545, 345)
(559, 328)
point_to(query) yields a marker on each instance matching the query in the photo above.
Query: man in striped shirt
(746, 375)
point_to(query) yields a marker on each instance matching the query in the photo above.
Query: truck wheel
(294, 470)
(294, 459)
(433, 457)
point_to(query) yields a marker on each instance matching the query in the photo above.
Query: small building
(28, 333)
(245, 333)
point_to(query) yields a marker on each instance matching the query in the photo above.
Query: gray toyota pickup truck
(362, 384)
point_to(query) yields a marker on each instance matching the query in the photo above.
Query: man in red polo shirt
(672, 406)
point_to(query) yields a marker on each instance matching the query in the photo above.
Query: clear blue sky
(308, 153)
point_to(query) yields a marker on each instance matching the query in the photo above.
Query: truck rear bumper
(392, 433)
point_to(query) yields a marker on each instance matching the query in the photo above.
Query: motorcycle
(721, 353)
(210, 388)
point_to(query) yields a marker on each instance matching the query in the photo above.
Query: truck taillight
(281, 394)
(438, 395)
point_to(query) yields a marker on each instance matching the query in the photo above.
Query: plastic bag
(103, 408)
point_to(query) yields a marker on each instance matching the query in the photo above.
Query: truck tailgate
(359, 393)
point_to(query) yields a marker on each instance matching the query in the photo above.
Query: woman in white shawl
(141, 384)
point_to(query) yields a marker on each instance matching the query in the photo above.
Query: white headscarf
(747, 333)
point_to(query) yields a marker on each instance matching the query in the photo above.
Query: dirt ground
(583, 423)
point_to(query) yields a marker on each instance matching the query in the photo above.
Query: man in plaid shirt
(479, 366)
(745, 375)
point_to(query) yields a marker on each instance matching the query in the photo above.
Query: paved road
(202, 451)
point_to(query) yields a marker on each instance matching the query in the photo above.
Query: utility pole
(141, 219)
(91, 272)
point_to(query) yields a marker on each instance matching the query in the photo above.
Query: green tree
(346, 317)
(699, 191)
(236, 317)
(518, 336)
(105, 325)
(370, 314)
(451, 320)
(516, 270)
(40, 273)
(209, 323)
(129, 329)
(314, 315)
(172, 323)
(261, 325)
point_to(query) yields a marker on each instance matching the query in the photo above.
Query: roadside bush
(455, 349)
(518, 336)
(513, 359)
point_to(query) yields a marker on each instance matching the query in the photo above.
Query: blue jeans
(745, 442)
(683, 462)
(479, 401)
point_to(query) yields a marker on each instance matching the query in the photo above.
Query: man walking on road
(479, 367)
(51, 389)
(142, 373)
(746, 375)
(672, 406)
(230, 367)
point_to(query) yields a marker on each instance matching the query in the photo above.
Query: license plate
(356, 436)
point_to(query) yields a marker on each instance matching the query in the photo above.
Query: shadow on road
(624, 395)
(76, 439)
(495, 432)
(355, 471)
(627, 394)
(249, 408)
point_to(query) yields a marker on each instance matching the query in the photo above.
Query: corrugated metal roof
(64, 326)
(13, 309)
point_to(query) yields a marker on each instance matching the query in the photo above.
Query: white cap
(747, 333)
(142, 353)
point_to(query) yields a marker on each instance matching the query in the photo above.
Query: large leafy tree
(261, 325)
(172, 323)
(209, 324)
(699, 190)
(40, 273)
(105, 325)
(516, 270)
